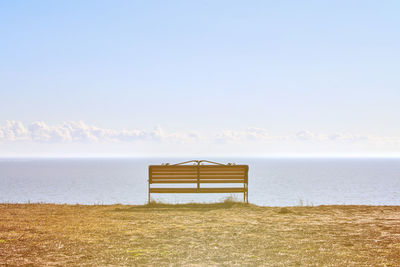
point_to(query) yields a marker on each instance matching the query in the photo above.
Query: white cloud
(79, 132)
(14, 131)
(41, 132)
(260, 135)
(306, 135)
(250, 134)
(160, 135)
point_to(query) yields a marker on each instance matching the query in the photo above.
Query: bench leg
(246, 194)
(148, 200)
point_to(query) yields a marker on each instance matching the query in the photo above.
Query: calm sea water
(273, 182)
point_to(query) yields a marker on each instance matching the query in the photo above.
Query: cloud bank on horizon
(255, 139)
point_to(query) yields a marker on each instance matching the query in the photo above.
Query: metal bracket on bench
(198, 162)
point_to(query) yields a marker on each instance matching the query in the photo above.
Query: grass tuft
(284, 211)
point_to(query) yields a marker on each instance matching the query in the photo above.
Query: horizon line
(310, 156)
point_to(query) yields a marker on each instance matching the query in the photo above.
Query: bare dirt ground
(198, 235)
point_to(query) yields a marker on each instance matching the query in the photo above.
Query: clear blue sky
(204, 66)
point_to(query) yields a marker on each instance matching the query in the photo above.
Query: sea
(272, 181)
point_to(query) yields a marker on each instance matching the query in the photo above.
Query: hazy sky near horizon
(208, 77)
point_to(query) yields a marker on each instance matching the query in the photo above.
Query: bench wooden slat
(222, 169)
(163, 181)
(200, 190)
(195, 174)
(200, 177)
(201, 167)
(173, 168)
(219, 176)
(222, 178)
(173, 173)
(223, 190)
(234, 171)
(201, 181)
(222, 173)
(173, 190)
(174, 177)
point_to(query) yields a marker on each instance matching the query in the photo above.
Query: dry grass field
(198, 234)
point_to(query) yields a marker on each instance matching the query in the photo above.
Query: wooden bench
(199, 173)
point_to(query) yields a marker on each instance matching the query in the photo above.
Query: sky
(191, 78)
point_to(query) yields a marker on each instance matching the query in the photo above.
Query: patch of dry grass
(199, 234)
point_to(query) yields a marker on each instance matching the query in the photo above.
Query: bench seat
(199, 190)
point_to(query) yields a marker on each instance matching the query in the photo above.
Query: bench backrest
(177, 174)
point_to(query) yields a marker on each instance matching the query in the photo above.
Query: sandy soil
(198, 234)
